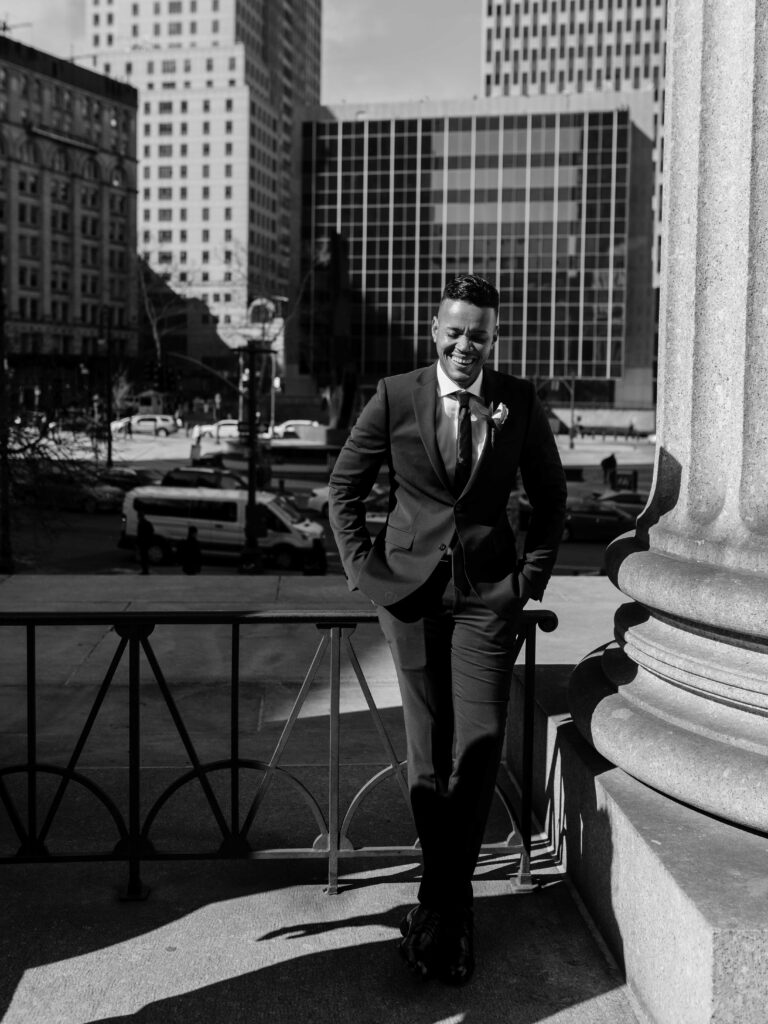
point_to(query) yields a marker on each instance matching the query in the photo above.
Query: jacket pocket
(398, 538)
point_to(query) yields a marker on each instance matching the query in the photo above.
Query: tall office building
(219, 84)
(67, 228)
(549, 197)
(548, 47)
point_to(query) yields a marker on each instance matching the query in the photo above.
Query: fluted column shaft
(682, 701)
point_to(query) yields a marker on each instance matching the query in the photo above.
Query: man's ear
(434, 328)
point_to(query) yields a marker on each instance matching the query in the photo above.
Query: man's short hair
(472, 289)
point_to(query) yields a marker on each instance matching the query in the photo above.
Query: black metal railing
(32, 823)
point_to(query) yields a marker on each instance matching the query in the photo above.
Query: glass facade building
(576, 46)
(536, 199)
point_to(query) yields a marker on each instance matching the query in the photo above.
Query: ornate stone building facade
(67, 225)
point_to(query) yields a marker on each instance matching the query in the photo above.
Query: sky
(372, 50)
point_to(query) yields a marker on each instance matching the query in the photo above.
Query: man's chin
(463, 376)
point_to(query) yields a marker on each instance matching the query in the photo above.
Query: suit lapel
(425, 412)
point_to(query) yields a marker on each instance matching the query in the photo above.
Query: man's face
(464, 336)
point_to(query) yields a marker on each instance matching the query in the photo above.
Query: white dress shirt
(447, 419)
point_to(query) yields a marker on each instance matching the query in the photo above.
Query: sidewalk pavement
(259, 941)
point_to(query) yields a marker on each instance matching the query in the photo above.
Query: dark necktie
(463, 444)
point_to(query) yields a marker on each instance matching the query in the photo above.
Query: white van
(286, 538)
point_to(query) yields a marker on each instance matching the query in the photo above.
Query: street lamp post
(251, 556)
(261, 313)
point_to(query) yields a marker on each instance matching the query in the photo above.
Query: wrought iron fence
(31, 824)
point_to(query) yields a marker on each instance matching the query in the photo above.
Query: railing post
(32, 847)
(524, 881)
(234, 844)
(333, 762)
(135, 633)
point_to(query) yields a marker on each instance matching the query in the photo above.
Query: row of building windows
(167, 172)
(531, 9)
(559, 51)
(168, 128)
(172, 7)
(187, 66)
(169, 107)
(172, 28)
(36, 92)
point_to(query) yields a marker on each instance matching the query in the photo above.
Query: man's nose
(463, 343)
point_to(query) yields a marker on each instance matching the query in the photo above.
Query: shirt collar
(446, 386)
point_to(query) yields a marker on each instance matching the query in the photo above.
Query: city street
(50, 541)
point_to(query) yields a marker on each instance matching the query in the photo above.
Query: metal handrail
(134, 843)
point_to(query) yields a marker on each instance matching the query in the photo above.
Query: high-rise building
(549, 197)
(549, 47)
(67, 227)
(219, 83)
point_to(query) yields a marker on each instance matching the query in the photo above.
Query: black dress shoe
(420, 946)
(458, 949)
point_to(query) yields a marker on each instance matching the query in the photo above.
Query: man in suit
(449, 586)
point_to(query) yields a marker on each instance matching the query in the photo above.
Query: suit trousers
(454, 659)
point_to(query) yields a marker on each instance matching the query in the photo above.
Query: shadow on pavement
(238, 943)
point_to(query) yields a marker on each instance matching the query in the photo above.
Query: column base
(709, 754)
(678, 896)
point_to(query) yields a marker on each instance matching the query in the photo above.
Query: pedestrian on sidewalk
(145, 534)
(190, 556)
(609, 465)
(449, 589)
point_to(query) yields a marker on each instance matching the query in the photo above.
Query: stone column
(680, 700)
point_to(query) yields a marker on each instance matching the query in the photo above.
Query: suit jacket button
(443, 547)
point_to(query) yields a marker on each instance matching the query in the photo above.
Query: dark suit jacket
(397, 429)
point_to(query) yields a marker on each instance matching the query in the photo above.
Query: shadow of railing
(32, 792)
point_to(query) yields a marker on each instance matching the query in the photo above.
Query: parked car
(286, 538)
(291, 428)
(589, 519)
(238, 463)
(128, 477)
(222, 428)
(204, 476)
(630, 503)
(318, 499)
(156, 423)
(67, 485)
